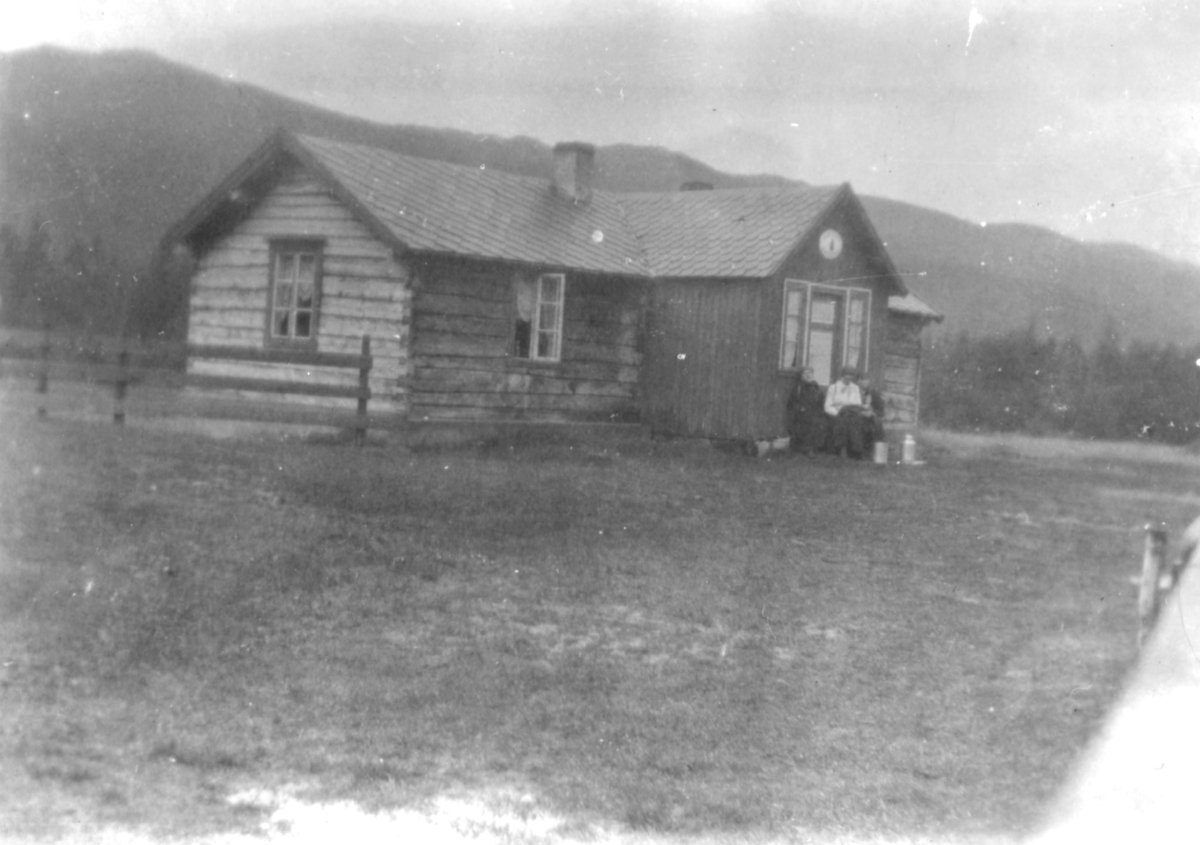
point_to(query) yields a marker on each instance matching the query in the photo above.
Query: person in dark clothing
(874, 410)
(806, 415)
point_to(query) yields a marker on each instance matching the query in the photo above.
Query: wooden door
(825, 336)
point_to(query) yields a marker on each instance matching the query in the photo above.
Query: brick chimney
(574, 163)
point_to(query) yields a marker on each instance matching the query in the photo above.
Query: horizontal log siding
(902, 369)
(364, 290)
(463, 324)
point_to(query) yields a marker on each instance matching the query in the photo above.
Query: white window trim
(866, 344)
(295, 247)
(806, 320)
(803, 317)
(557, 329)
(536, 328)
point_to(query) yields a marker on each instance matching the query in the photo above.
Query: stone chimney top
(574, 164)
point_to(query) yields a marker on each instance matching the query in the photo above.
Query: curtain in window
(858, 313)
(793, 327)
(295, 294)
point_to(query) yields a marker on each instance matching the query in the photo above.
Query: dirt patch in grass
(660, 637)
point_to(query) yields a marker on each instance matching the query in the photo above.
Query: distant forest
(1020, 381)
(85, 290)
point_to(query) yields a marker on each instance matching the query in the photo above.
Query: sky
(1079, 115)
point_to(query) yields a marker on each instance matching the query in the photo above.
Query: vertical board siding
(713, 345)
(364, 290)
(463, 368)
(729, 384)
(724, 383)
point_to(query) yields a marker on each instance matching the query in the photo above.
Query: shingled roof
(433, 206)
(427, 206)
(744, 233)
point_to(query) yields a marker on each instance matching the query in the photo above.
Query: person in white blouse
(844, 403)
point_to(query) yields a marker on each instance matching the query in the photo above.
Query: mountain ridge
(117, 146)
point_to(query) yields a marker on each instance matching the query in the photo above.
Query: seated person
(874, 410)
(844, 404)
(806, 415)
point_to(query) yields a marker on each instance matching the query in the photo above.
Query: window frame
(295, 246)
(864, 295)
(808, 291)
(536, 327)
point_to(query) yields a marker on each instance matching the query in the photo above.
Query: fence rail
(47, 357)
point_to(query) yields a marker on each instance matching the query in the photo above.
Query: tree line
(82, 288)
(1021, 381)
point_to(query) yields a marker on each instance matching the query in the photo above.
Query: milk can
(881, 452)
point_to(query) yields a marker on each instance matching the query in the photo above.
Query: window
(857, 304)
(824, 334)
(795, 298)
(295, 292)
(824, 328)
(538, 334)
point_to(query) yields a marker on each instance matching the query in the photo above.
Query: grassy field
(631, 639)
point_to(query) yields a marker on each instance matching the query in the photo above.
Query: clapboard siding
(463, 323)
(365, 290)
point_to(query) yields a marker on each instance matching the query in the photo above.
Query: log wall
(463, 367)
(902, 369)
(364, 289)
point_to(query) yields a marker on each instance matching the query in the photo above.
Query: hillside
(112, 148)
(1006, 276)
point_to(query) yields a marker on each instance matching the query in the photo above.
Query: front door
(825, 336)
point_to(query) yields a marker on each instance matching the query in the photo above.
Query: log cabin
(490, 296)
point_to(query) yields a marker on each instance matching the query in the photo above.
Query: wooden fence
(47, 358)
(1160, 575)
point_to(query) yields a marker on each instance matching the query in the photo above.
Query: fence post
(43, 386)
(364, 391)
(1148, 592)
(121, 385)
